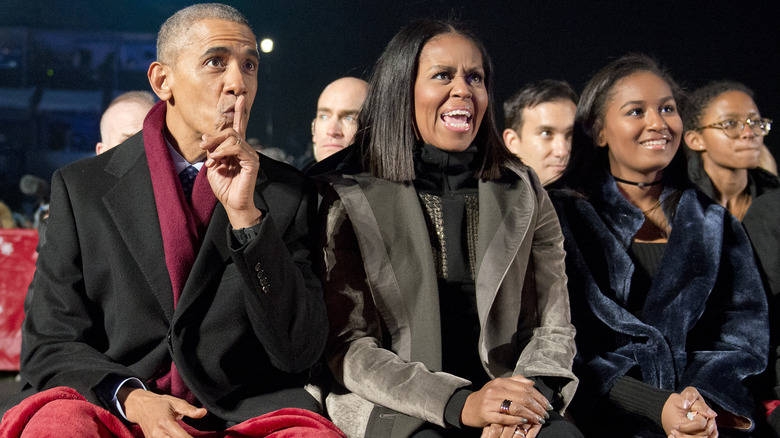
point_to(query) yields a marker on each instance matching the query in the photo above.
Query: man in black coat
(159, 297)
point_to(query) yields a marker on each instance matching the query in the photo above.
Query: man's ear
(694, 141)
(100, 147)
(512, 140)
(160, 80)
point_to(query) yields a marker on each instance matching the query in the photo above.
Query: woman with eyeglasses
(725, 136)
(666, 299)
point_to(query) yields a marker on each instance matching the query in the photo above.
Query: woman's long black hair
(588, 161)
(386, 124)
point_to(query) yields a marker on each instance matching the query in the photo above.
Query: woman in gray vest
(443, 260)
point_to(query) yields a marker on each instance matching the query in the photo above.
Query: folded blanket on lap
(62, 411)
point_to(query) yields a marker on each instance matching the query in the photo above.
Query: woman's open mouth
(458, 120)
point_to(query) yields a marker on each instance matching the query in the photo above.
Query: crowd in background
(604, 266)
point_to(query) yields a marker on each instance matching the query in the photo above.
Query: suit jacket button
(258, 267)
(266, 289)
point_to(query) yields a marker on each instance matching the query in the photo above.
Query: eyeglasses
(733, 128)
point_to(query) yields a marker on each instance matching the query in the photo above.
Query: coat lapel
(402, 273)
(399, 262)
(130, 202)
(691, 262)
(504, 219)
(210, 261)
(213, 254)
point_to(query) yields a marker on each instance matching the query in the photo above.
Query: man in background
(123, 118)
(539, 121)
(334, 126)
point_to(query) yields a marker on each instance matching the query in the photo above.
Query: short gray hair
(175, 28)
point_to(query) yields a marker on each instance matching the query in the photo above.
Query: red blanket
(64, 412)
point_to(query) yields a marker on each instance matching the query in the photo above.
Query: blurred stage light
(267, 45)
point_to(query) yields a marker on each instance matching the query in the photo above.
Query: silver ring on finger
(504, 408)
(238, 142)
(519, 431)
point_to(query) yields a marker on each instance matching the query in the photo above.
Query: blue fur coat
(704, 321)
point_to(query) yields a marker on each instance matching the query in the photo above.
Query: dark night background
(317, 42)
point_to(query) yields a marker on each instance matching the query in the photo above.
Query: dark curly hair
(700, 99)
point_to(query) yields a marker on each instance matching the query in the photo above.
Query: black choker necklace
(641, 185)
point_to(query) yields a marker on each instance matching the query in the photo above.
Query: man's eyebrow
(253, 52)
(348, 112)
(219, 50)
(216, 51)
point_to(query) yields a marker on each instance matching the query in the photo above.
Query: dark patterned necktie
(187, 178)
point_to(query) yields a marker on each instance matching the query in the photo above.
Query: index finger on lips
(232, 143)
(214, 140)
(238, 116)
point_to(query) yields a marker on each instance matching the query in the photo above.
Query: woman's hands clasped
(687, 415)
(506, 407)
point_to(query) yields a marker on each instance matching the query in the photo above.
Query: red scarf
(183, 224)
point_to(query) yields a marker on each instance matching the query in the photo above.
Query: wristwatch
(245, 235)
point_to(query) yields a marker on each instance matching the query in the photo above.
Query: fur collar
(707, 290)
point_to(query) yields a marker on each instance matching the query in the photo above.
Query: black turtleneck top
(447, 189)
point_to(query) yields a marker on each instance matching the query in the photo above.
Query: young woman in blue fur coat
(668, 304)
